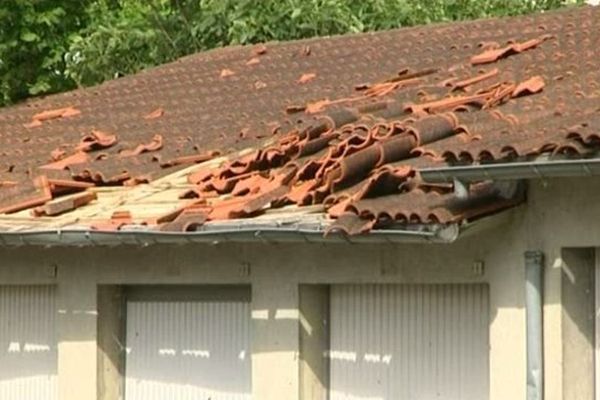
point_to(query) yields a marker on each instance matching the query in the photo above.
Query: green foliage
(51, 45)
(34, 36)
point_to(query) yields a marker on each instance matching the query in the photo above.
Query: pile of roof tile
(345, 123)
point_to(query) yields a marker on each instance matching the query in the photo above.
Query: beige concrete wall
(578, 271)
(275, 340)
(77, 349)
(314, 342)
(560, 213)
(275, 271)
(111, 342)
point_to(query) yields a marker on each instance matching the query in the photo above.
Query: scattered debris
(96, 140)
(476, 79)
(530, 86)
(305, 78)
(226, 73)
(78, 157)
(57, 154)
(260, 49)
(117, 220)
(159, 112)
(64, 204)
(155, 144)
(493, 55)
(48, 115)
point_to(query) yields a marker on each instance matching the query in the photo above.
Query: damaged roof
(336, 126)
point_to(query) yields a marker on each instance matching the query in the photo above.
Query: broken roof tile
(493, 55)
(157, 113)
(306, 77)
(531, 85)
(351, 140)
(78, 157)
(226, 72)
(117, 220)
(56, 113)
(153, 145)
(96, 140)
(187, 219)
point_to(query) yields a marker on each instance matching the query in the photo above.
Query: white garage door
(188, 350)
(28, 340)
(409, 342)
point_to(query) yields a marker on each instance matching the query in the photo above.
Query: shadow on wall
(409, 341)
(578, 269)
(190, 350)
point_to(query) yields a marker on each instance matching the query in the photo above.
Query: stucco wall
(560, 213)
(314, 341)
(578, 318)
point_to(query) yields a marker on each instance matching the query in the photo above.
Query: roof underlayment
(350, 134)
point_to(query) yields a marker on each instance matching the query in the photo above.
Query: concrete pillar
(76, 333)
(507, 326)
(577, 294)
(314, 342)
(111, 342)
(275, 340)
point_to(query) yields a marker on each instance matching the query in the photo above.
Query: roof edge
(265, 234)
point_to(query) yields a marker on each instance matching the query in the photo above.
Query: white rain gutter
(229, 234)
(538, 169)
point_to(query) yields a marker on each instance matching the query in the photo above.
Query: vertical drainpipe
(534, 307)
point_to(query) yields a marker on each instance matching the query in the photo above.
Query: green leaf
(87, 41)
(296, 13)
(29, 37)
(39, 87)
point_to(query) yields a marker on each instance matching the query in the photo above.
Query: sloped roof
(338, 125)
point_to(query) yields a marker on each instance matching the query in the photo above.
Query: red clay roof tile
(307, 77)
(159, 112)
(187, 219)
(96, 140)
(154, 145)
(56, 113)
(352, 140)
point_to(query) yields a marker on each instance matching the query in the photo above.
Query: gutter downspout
(534, 261)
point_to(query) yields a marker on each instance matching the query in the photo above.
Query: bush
(47, 46)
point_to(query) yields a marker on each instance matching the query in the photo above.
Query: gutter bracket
(461, 190)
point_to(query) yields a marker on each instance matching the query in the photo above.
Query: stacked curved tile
(359, 154)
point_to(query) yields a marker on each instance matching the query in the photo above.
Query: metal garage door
(188, 350)
(28, 358)
(413, 342)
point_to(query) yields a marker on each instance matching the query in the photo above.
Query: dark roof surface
(345, 122)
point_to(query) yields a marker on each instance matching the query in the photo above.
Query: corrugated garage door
(184, 350)
(28, 340)
(413, 342)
